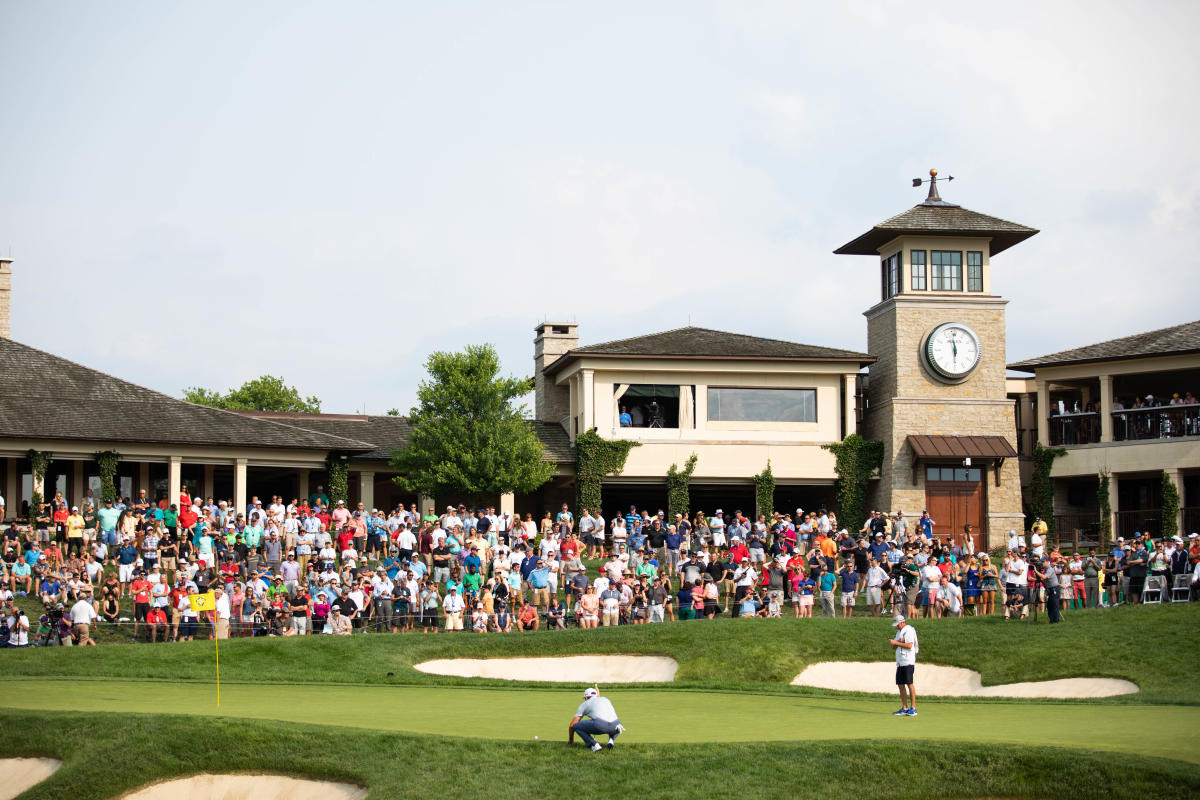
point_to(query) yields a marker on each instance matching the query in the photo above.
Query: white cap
(719, 511)
(590, 692)
(898, 620)
(1120, 538)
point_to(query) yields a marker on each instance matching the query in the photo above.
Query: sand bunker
(247, 787)
(22, 773)
(567, 669)
(931, 680)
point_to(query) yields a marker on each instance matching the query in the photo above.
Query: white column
(79, 488)
(302, 489)
(11, 488)
(174, 479)
(508, 502)
(366, 489)
(850, 381)
(1106, 408)
(1114, 491)
(207, 488)
(589, 400)
(239, 485)
(1043, 413)
(144, 481)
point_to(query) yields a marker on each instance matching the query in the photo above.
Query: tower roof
(938, 218)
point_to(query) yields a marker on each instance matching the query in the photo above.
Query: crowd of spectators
(315, 567)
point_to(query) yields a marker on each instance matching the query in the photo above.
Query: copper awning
(958, 447)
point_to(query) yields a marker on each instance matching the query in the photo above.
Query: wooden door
(954, 504)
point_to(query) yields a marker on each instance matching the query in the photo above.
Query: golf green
(650, 716)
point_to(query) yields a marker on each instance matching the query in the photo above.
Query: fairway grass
(649, 716)
(105, 756)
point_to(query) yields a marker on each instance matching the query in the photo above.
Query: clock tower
(936, 396)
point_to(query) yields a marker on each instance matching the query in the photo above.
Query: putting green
(650, 716)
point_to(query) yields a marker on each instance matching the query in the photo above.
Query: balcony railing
(1162, 422)
(1075, 533)
(1141, 520)
(1131, 424)
(1082, 428)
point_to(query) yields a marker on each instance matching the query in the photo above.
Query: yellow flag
(203, 602)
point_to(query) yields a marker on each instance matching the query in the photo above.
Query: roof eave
(862, 359)
(870, 242)
(1034, 365)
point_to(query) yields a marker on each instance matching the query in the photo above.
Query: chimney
(551, 403)
(5, 298)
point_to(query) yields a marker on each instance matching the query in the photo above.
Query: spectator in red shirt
(156, 623)
(140, 589)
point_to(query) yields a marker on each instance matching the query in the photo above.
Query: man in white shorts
(906, 647)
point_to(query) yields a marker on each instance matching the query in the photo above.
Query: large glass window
(972, 474)
(974, 271)
(891, 276)
(947, 270)
(737, 404)
(918, 270)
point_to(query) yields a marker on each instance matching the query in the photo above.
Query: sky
(198, 194)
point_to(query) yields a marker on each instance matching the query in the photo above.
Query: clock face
(952, 350)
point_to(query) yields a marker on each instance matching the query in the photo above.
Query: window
(891, 276)
(735, 404)
(974, 271)
(970, 474)
(947, 270)
(918, 270)
(651, 405)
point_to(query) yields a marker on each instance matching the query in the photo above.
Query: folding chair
(1181, 589)
(1154, 589)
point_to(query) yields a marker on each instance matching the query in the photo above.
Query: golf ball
(535, 738)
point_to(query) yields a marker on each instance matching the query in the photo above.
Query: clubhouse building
(957, 431)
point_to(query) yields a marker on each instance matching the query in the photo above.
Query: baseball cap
(589, 693)
(897, 620)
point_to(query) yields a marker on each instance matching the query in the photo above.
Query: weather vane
(932, 180)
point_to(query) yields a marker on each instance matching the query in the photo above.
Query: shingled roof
(1176, 340)
(388, 433)
(937, 218)
(43, 396)
(692, 342)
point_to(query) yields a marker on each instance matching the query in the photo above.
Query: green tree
(468, 435)
(265, 393)
(856, 461)
(1170, 507)
(1043, 484)
(677, 487)
(764, 491)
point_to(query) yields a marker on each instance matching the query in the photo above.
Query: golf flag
(203, 602)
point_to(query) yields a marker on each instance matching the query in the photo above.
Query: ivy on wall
(677, 487)
(857, 459)
(1170, 507)
(338, 482)
(38, 462)
(1042, 484)
(1104, 501)
(764, 491)
(596, 458)
(106, 464)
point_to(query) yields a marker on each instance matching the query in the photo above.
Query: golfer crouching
(601, 719)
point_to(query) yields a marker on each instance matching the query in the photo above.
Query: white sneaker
(596, 748)
(620, 728)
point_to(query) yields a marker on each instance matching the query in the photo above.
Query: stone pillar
(424, 503)
(239, 486)
(850, 420)
(302, 489)
(366, 489)
(1106, 408)
(588, 400)
(11, 487)
(144, 481)
(78, 488)
(174, 479)
(1043, 413)
(508, 502)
